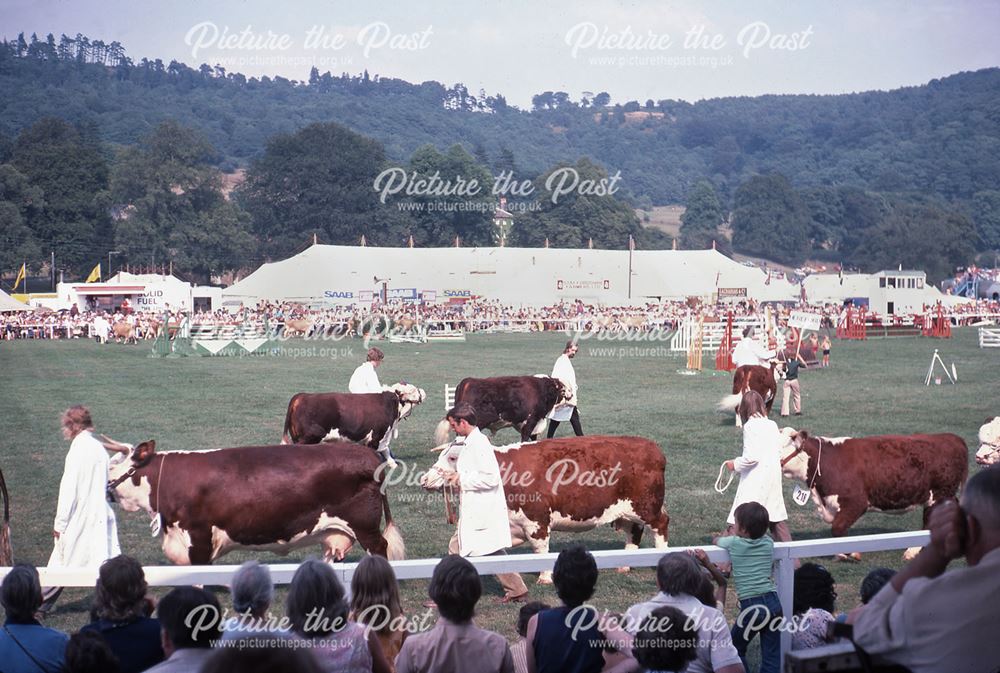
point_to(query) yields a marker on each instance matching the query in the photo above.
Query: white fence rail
(989, 338)
(449, 397)
(785, 555)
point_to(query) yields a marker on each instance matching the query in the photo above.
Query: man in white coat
(364, 379)
(563, 370)
(749, 351)
(85, 531)
(483, 524)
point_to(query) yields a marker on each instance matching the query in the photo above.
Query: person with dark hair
(189, 625)
(680, 579)
(752, 554)
(84, 532)
(455, 644)
(873, 583)
(483, 523)
(812, 605)
(929, 620)
(375, 603)
(760, 466)
(519, 649)
(122, 609)
(88, 652)
(26, 645)
(364, 379)
(249, 657)
(567, 639)
(667, 643)
(317, 608)
(568, 410)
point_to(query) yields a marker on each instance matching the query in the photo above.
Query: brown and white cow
(576, 484)
(763, 380)
(523, 402)
(124, 332)
(849, 476)
(265, 498)
(370, 418)
(989, 442)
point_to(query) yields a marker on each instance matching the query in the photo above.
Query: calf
(576, 484)
(266, 498)
(763, 380)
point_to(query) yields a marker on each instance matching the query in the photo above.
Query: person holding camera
(929, 620)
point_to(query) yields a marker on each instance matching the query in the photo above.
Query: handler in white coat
(85, 531)
(749, 351)
(483, 524)
(760, 466)
(364, 379)
(563, 370)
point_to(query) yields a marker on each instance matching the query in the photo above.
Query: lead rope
(719, 488)
(156, 521)
(819, 461)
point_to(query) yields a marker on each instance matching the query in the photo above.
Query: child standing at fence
(826, 351)
(752, 552)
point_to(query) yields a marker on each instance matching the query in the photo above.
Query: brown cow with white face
(267, 498)
(989, 442)
(576, 484)
(763, 380)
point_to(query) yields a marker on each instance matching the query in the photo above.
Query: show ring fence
(785, 555)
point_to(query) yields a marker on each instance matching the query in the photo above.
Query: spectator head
(89, 652)
(252, 589)
(678, 573)
(575, 575)
(570, 348)
(814, 588)
(456, 588)
(752, 519)
(527, 611)
(120, 593)
(250, 658)
(981, 503)
(75, 420)
(375, 593)
(189, 618)
(706, 592)
(375, 355)
(316, 599)
(21, 593)
(873, 583)
(751, 404)
(667, 641)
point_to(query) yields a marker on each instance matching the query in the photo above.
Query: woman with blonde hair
(375, 603)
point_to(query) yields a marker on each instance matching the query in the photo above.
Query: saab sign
(338, 294)
(405, 293)
(460, 294)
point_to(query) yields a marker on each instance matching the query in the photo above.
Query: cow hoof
(851, 558)
(391, 464)
(545, 580)
(624, 570)
(911, 553)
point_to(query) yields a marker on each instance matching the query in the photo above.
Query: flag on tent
(95, 274)
(20, 277)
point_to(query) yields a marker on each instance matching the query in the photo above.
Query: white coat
(750, 352)
(88, 532)
(364, 380)
(563, 370)
(483, 524)
(760, 469)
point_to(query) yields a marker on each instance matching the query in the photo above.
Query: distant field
(199, 403)
(665, 218)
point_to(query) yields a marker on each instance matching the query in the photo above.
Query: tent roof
(8, 303)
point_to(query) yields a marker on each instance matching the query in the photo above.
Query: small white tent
(8, 303)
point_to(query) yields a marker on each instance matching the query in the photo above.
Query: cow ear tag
(155, 524)
(800, 495)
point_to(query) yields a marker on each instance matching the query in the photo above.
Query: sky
(634, 50)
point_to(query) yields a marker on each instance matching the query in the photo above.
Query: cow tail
(286, 437)
(6, 552)
(729, 402)
(441, 432)
(395, 548)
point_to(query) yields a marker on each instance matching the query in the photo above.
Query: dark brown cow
(503, 401)
(267, 498)
(370, 418)
(890, 473)
(763, 380)
(576, 484)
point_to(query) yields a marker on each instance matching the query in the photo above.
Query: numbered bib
(154, 525)
(800, 495)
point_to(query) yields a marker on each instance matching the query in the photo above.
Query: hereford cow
(888, 473)
(523, 402)
(265, 498)
(753, 377)
(576, 484)
(124, 332)
(989, 442)
(370, 418)
(297, 326)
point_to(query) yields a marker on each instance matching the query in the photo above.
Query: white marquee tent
(8, 303)
(518, 276)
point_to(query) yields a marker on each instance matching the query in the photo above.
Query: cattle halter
(819, 460)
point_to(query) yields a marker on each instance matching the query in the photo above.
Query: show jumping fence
(785, 556)
(989, 338)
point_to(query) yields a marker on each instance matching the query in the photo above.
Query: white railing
(989, 338)
(785, 556)
(449, 397)
(714, 332)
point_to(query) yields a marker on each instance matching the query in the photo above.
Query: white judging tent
(518, 276)
(8, 303)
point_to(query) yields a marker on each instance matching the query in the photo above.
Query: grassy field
(200, 403)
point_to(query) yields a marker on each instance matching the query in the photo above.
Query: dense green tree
(770, 220)
(702, 217)
(20, 203)
(986, 216)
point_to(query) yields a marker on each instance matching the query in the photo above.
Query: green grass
(200, 403)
